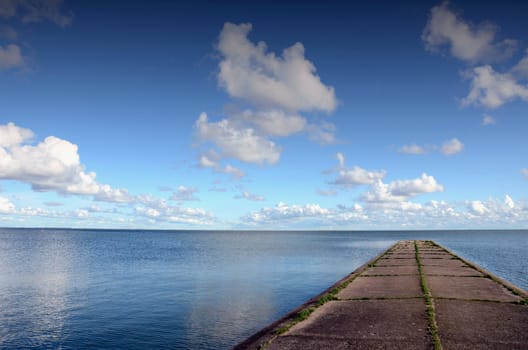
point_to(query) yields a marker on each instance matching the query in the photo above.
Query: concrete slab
(391, 270)
(383, 287)
(395, 262)
(481, 325)
(439, 255)
(451, 271)
(400, 256)
(470, 288)
(362, 324)
(443, 262)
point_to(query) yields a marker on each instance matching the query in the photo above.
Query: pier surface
(417, 295)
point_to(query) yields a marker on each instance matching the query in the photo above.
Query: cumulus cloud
(10, 57)
(355, 176)
(273, 122)
(289, 82)
(448, 148)
(322, 133)
(524, 172)
(159, 211)
(397, 214)
(494, 209)
(51, 165)
(284, 213)
(6, 206)
(243, 144)
(492, 89)
(212, 161)
(488, 120)
(401, 190)
(520, 70)
(183, 193)
(451, 147)
(412, 149)
(464, 40)
(250, 196)
(276, 88)
(31, 11)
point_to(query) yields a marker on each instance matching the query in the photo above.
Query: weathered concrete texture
(469, 288)
(361, 324)
(396, 262)
(391, 270)
(443, 262)
(481, 325)
(447, 271)
(383, 287)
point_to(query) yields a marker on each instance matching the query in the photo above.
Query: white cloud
(322, 133)
(341, 159)
(231, 170)
(283, 212)
(414, 187)
(51, 165)
(508, 202)
(520, 70)
(357, 176)
(412, 149)
(447, 148)
(250, 196)
(212, 159)
(30, 11)
(184, 194)
(488, 120)
(401, 190)
(274, 122)
(272, 90)
(289, 81)
(6, 206)
(477, 208)
(524, 172)
(451, 147)
(492, 89)
(12, 135)
(10, 57)
(243, 144)
(467, 42)
(159, 211)
(391, 215)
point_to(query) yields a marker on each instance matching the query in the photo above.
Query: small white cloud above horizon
(412, 149)
(448, 148)
(451, 147)
(250, 196)
(184, 193)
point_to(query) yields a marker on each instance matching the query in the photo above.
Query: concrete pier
(417, 295)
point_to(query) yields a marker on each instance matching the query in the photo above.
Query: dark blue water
(73, 289)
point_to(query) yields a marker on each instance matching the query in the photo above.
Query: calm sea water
(70, 289)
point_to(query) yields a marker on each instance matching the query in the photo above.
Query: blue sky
(263, 115)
